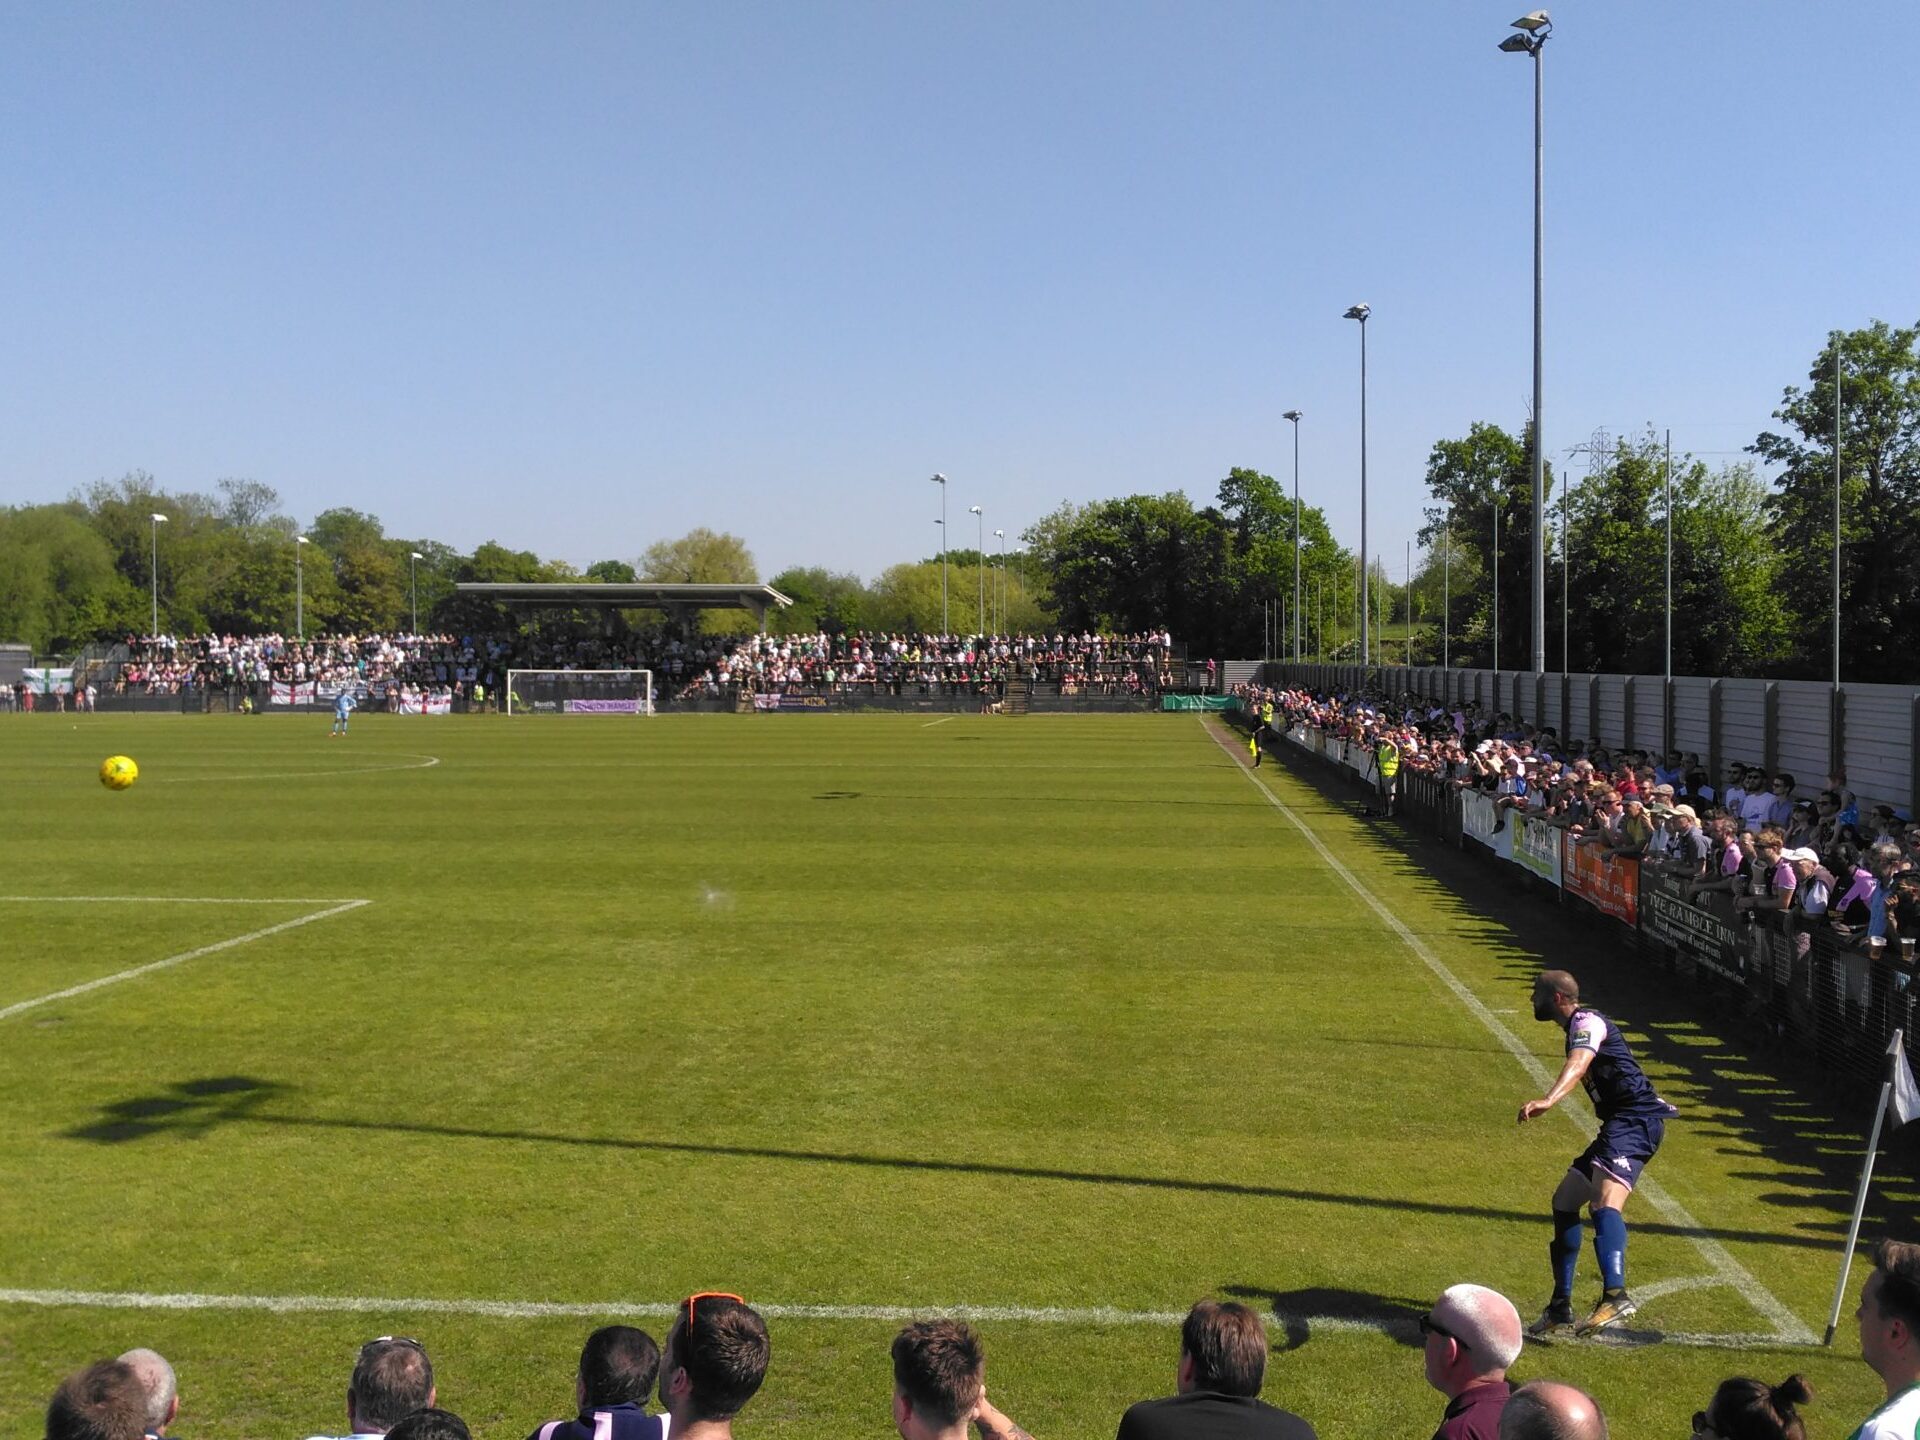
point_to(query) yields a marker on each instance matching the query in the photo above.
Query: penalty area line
(941, 721)
(19, 1007)
(1399, 1327)
(1787, 1326)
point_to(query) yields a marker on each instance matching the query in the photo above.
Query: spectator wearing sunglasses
(1743, 1409)
(1471, 1338)
(1549, 1410)
(714, 1362)
(618, 1366)
(392, 1378)
(1223, 1359)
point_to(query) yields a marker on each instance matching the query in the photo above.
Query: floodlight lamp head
(1517, 45)
(973, 509)
(999, 534)
(418, 556)
(1534, 21)
(1293, 415)
(1359, 312)
(939, 479)
(301, 540)
(159, 519)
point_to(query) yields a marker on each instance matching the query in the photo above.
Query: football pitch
(489, 1031)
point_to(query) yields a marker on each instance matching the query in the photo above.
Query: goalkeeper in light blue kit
(343, 706)
(1632, 1123)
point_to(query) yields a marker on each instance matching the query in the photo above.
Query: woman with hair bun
(1743, 1409)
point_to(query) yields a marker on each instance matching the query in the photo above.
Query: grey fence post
(1770, 750)
(1713, 735)
(1666, 719)
(1626, 712)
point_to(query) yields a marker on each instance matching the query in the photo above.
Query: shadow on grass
(1807, 1121)
(1294, 1312)
(195, 1107)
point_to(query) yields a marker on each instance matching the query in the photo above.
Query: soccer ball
(117, 772)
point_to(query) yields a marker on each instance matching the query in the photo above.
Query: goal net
(579, 692)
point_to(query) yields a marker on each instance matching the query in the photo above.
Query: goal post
(579, 692)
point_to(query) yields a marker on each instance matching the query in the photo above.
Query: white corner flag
(1906, 1095)
(1899, 1094)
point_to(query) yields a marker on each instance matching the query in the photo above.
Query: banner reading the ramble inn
(1702, 929)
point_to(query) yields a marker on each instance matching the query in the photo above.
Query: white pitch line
(214, 949)
(420, 761)
(1787, 1326)
(941, 721)
(170, 900)
(553, 1309)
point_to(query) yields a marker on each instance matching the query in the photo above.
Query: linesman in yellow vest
(1386, 768)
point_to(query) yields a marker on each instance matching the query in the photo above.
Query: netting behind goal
(579, 692)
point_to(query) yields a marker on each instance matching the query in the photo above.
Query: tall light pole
(155, 521)
(1535, 27)
(1836, 510)
(1669, 484)
(1446, 593)
(1360, 313)
(299, 588)
(414, 557)
(980, 553)
(941, 481)
(1000, 587)
(1497, 498)
(1294, 416)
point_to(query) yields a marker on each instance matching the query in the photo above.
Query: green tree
(59, 588)
(612, 572)
(1483, 486)
(1879, 410)
(822, 600)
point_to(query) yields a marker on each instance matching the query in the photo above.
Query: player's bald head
(1559, 982)
(1548, 1410)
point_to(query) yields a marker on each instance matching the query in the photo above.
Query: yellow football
(117, 772)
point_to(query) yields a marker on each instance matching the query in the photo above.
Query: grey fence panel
(1649, 712)
(1609, 725)
(1579, 710)
(1805, 735)
(1516, 688)
(1743, 722)
(1692, 715)
(1879, 741)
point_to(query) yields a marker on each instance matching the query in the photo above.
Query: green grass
(848, 1011)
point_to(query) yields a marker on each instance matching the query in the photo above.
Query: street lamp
(980, 547)
(299, 588)
(156, 522)
(413, 577)
(1360, 313)
(1535, 27)
(1498, 496)
(1000, 587)
(1294, 416)
(941, 481)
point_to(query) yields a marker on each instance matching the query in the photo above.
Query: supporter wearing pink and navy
(714, 1362)
(618, 1367)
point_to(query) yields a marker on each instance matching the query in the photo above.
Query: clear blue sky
(580, 277)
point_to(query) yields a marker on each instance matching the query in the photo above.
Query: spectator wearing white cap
(1471, 1338)
(1689, 850)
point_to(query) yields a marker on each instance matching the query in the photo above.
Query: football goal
(579, 692)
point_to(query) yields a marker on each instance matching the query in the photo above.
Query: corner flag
(1899, 1094)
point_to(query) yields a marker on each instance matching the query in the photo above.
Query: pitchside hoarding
(1613, 889)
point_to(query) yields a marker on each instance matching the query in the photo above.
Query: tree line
(1752, 560)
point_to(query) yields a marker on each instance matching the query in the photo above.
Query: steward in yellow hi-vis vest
(1386, 765)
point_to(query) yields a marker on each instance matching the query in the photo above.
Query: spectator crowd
(718, 1351)
(685, 665)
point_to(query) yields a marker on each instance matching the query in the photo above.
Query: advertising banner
(1702, 929)
(1477, 819)
(1536, 845)
(789, 702)
(1611, 889)
(603, 707)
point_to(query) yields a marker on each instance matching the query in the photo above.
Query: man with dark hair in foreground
(714, 1362)
(1548, 1410)
(1889, 1317)
(940, 1383)
(391, 1379)
(618, 1366)
(431, 1424)
(105, 1401)
(1223, 1359)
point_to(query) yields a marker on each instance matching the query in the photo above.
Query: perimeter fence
(1800, 985)
(1806, 727)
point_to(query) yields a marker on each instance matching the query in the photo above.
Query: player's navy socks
(1610, 1245)
(1565, 1251)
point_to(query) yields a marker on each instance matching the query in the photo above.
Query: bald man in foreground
(1471, 1337)
(1548, 1410)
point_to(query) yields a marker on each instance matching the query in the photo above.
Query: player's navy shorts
(1623, 1147)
